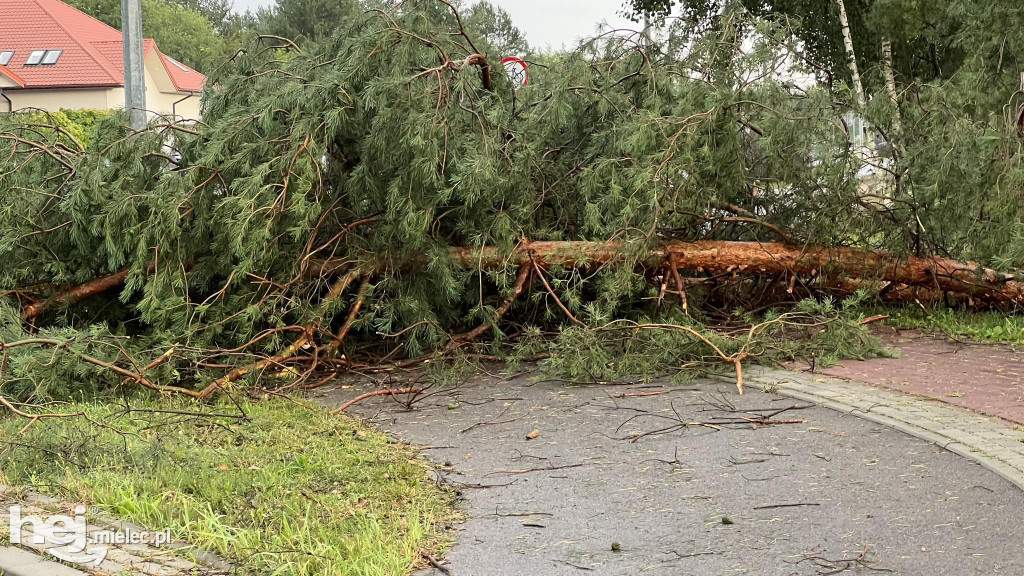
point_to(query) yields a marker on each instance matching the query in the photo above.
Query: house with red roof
(52, 57)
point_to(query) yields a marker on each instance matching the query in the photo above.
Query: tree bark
(707, 256)
(77, 294)
(858, 88)
(723, 257)
(890, 88)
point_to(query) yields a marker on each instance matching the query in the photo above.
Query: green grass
(977, 326)
(292, 491)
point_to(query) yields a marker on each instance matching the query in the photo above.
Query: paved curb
(16, 562)
(980, 438)
(30, 559)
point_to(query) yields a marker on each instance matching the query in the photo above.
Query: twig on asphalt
(843, 564)
(388, 392)
(496, 421)
(794, 505)
(576, 566)
(528, 470)
(435, 563)
(642, 394)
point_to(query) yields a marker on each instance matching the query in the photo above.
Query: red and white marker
(517, 72)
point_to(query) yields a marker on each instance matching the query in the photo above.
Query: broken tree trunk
(707, 256)
(722, 257)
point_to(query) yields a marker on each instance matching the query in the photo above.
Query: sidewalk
(17, 562)
(121, 559)
(987, 378)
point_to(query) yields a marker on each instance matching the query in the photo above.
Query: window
(176, 63)
(43, 57)
(5, 57)
(51, 56)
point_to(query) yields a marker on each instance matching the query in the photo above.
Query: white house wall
(53, 99)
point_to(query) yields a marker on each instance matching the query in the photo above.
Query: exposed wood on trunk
(722, 257)
(710, 256)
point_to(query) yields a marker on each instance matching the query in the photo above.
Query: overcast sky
(545, 22)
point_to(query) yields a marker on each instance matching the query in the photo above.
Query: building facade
(52, 57)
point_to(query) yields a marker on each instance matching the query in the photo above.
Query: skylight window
(178, 64)
(5, 57)
(51, 57)
(43, 57)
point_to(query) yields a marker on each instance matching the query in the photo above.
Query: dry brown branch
(335, 292)
(33, 418)
(674, 268)
(558, 301)
(387, 392)
(139, 378)
(873, 319)
(77, 293)
(517, 289)
(735, 359)
(353, 312)
(241, 371)
(134, 376)
(641, 394)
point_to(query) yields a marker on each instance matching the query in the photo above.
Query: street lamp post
(134, 67)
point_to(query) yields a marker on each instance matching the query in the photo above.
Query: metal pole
(134, 66)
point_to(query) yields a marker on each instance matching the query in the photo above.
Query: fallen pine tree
(666, 260)
(709, 256)
(383, 199)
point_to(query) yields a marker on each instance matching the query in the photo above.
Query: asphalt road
(613, 486)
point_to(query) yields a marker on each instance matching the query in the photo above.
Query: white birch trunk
(890, 88)
(858, 88)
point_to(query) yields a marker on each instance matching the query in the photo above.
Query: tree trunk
(890, 88)
(707, 256)
(77, 294)
(858, 88)
(722, 257)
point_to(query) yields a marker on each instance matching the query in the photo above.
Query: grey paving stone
(17, 562)
(121, 559)
(11, 557)
(43, 569)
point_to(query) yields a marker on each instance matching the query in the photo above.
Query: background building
(53, 56)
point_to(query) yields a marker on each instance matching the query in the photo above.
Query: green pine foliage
(377, 149)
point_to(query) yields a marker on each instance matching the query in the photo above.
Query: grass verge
(986, 326)
(288, 491)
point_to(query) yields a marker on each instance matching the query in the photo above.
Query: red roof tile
(92, 51)
(184, 78)
(7, 73)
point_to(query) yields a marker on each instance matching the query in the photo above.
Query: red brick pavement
(984, 377)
